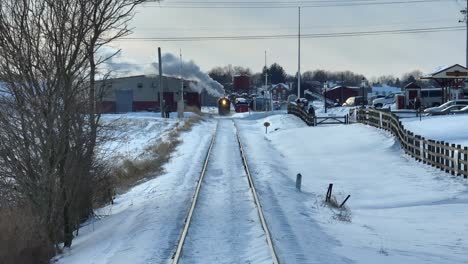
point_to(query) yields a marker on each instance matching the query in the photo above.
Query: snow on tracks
(225, 227)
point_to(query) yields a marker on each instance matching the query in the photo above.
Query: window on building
(140, 85)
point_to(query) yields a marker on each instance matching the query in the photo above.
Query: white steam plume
(190, 71)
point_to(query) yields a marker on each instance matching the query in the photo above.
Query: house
(279, 92)
(141, 93)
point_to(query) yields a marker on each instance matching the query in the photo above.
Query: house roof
(455, 71)
(280, 84)
(412, 85)
(343, 86)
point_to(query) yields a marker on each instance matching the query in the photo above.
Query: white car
(389, 99)
(446, 105)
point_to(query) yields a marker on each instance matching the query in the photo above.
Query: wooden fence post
(432, 149)
(298, 181)
(465, 159)
(454, 165)
(329, 192)
(380, 118)
(449, 158)
(459, 158)
(423, 150)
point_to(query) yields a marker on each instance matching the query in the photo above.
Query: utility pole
(299, 58)
(161, 98)
(181, 104)
(465, 20)
(266, 85)
(266, 71)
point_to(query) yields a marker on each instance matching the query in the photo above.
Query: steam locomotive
(224, 106)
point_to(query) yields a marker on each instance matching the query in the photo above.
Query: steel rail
(178, 253)
(270, 243)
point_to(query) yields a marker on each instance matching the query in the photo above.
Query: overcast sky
(370, 55)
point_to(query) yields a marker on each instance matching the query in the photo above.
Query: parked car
(440, 108)
(354, 101)
(389, 99)
(464, 110)
(448, 110)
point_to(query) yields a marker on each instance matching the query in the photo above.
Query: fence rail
(447, 157)
(297, 111)
(316, 120)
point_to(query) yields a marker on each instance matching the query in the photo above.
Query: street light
(325, 86)
(363, 84)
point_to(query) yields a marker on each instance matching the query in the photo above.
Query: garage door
(124, 102)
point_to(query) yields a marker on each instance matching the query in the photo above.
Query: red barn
(340, 93)
(241, 83)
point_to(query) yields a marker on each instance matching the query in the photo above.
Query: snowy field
(144, 224)
(448, 128)
(401, 211)
(131, 133)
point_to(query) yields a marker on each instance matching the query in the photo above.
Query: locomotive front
(224, 106)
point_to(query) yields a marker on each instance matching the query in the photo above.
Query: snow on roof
(344, 86)
(439, 69)
(241, 100)
(443, 68)
(280, 84)
(385, 88)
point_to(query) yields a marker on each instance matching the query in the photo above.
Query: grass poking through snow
(131, 172)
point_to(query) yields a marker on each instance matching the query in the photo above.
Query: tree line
(276, 74)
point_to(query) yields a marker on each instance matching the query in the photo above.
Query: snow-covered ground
(144, 224)
(401, 211)
(131, 133)
(448, 128)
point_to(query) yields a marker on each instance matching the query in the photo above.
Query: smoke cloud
(116, 64)
(190, 71)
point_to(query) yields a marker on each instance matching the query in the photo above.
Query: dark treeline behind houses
(50, 176)
(314, 79)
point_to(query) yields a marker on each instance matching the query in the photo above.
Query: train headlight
(223, 102)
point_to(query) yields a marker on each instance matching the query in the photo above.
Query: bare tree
(49, 121)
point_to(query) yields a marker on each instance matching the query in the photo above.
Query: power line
(308, 36)
(249, 28)
(272, 4)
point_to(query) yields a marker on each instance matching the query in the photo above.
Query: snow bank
(144, 224)
(402, 211)
(448, 128)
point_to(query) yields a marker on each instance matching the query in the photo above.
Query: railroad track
(188, 224)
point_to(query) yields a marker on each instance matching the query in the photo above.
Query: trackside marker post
(298, 181)
(266, 124)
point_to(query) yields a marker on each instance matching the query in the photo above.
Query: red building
(241, 83)
(141, 93)
(279, 92)
(340, 93)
